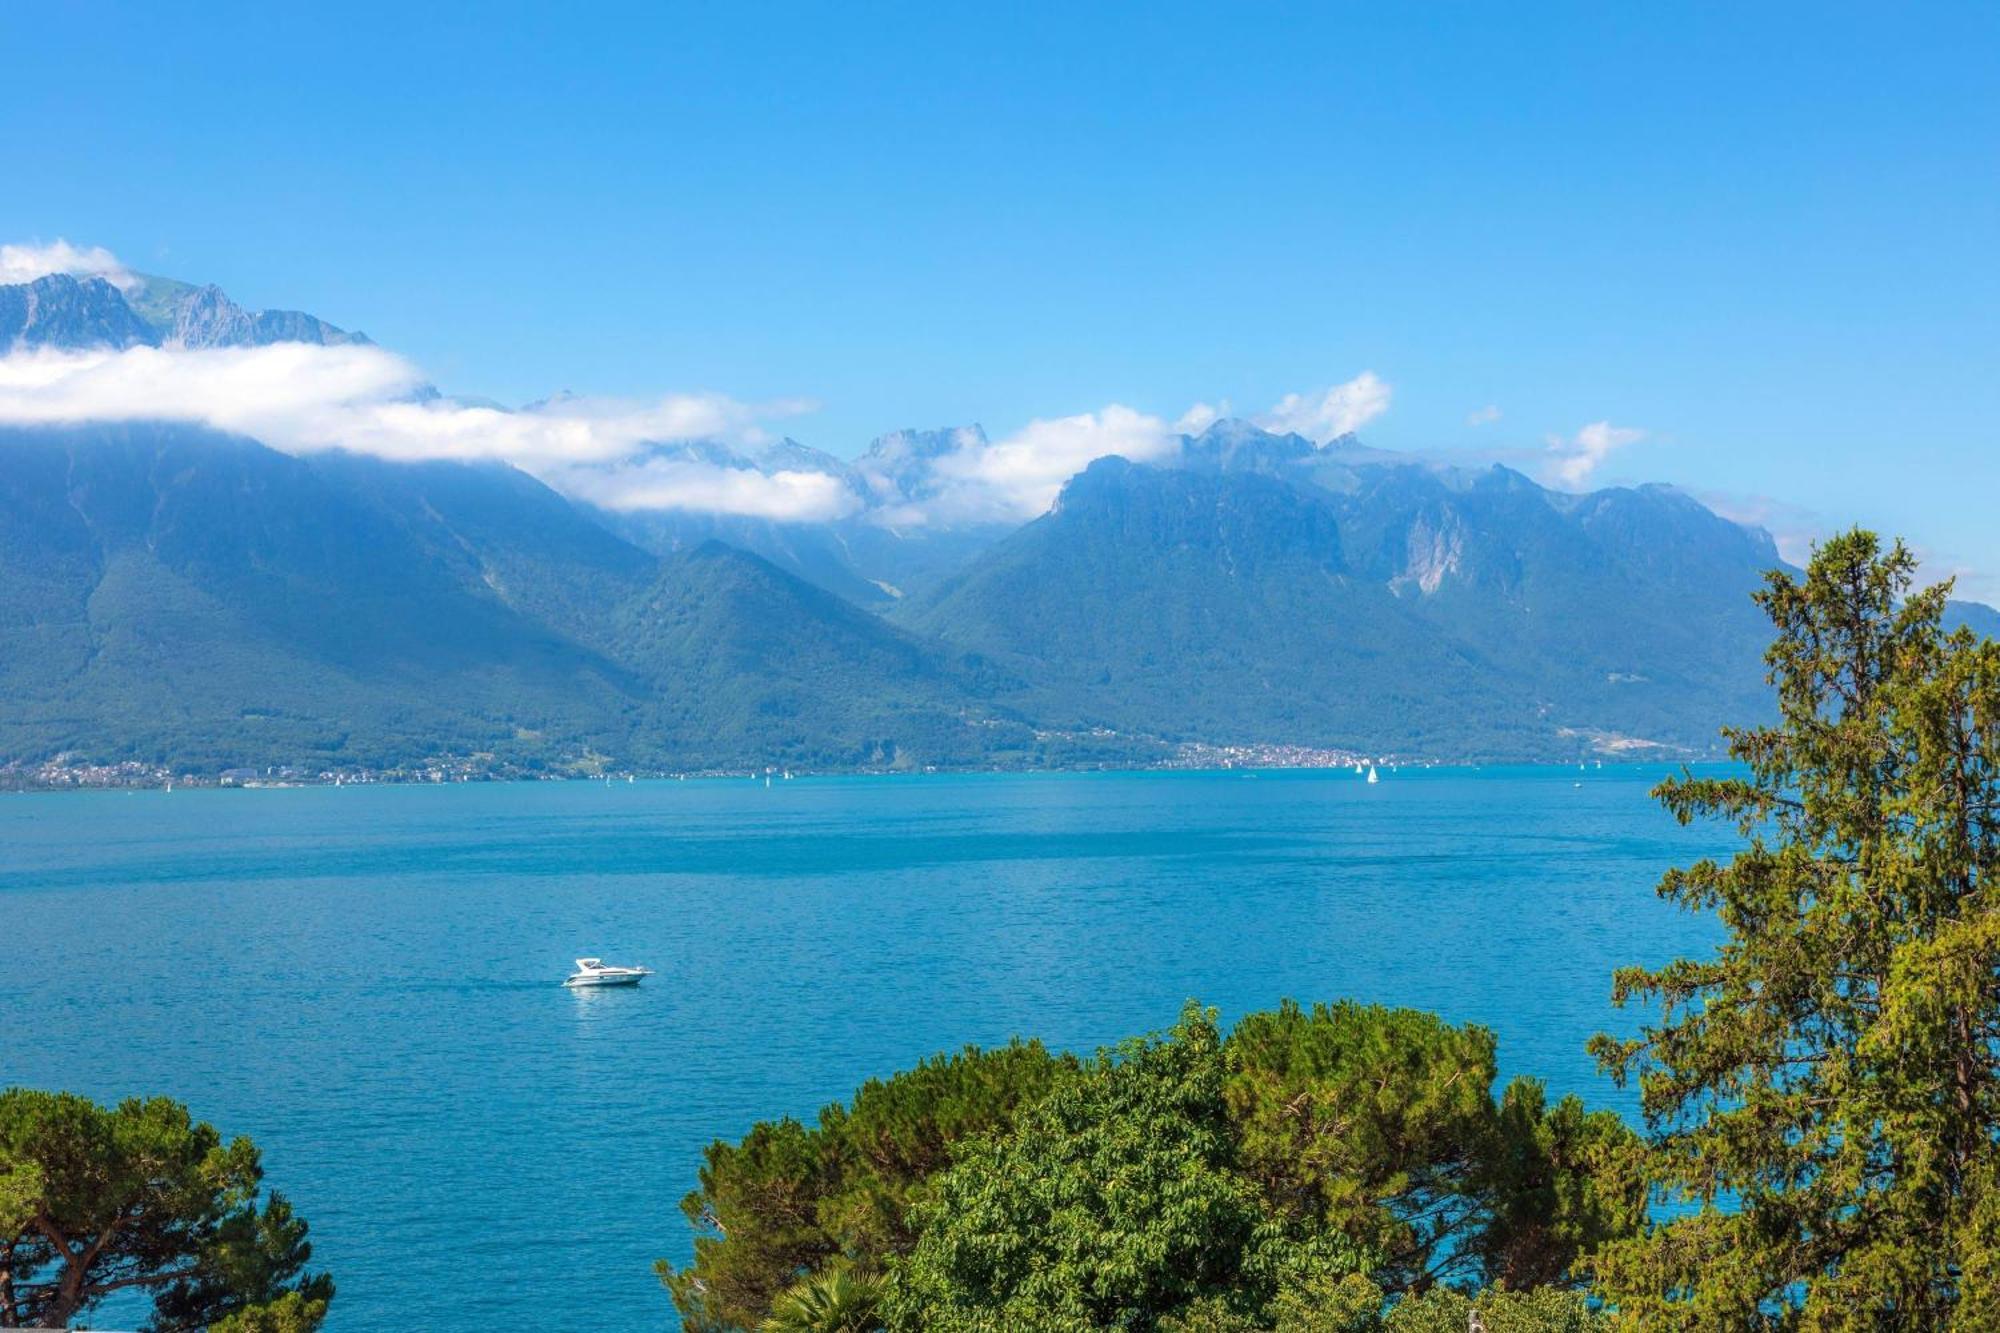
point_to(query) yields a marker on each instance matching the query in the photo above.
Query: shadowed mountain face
(815, 552)
(1409, 610)
(174, 595)
(1210, 607)
(65, 312)
(748, 661)
(889, 546)
(1981, 619)
(179, 596)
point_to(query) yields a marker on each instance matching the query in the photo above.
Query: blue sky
(1767, 241)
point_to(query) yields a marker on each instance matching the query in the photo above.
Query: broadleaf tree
(1114, 1203)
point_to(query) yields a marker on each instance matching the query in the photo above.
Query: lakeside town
(70, 773)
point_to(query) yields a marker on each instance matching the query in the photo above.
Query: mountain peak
(1236, 445)
(897, 466)
(911, 443)
(62, 310)
(73, 312)
(206, 317)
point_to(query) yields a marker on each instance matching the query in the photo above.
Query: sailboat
(1373, 776)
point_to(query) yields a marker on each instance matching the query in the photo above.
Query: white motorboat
(593, 972)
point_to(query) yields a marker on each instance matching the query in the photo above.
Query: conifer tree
(1824, 1092)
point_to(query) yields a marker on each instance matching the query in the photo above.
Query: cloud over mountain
(1018, 477)
(306, 397)
(303, 397)
(25, 263)
(1326, 414)
(657, 483)
(94, 342)
(1572, 461)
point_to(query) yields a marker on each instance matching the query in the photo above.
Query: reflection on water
(605, 1003)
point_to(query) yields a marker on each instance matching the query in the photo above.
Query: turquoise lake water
(366, 980)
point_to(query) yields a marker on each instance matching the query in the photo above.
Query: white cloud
(25, 263)
(1200, 417)
(1327, 414)
(301, 398)
(676, 483)
(1968, 584)
(1018, 477)
(293, 395)
(547, 437)
(1484, 416)
(1571, 461)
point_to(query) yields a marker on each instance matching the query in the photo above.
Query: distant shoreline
(1204, 759)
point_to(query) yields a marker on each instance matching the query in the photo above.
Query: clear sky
(1764, 236)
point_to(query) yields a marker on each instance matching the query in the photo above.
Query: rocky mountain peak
(206, 317)
(61, 310)
(73, 312)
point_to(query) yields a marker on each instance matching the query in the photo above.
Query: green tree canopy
(1543, 1310)
(1113, 1202)
(1824, 1092)
(791, 1199)
(95, 1200)
(293, 1312)
(1382, 1124)
(1301, 1175)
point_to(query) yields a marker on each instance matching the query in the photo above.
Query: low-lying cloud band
(304, 397)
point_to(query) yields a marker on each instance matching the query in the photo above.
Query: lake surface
(365, 980)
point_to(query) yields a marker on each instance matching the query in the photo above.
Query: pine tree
(1824, 1092)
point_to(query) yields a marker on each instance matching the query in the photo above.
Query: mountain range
(68, 312)
(182, 596)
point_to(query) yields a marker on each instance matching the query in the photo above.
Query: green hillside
(178, 597)
(184, 598)
(1407, 611)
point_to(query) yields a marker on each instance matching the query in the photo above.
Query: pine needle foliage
(1824, 1092)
